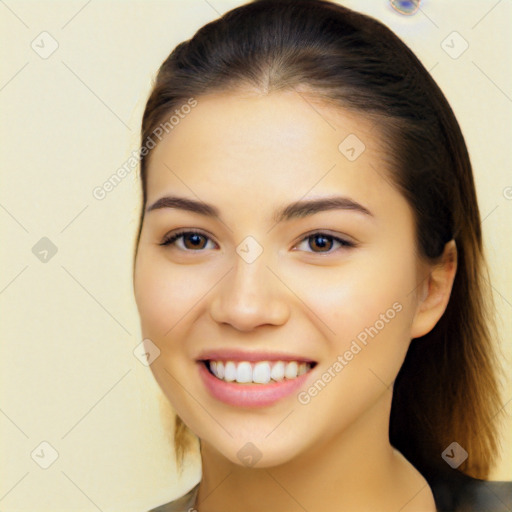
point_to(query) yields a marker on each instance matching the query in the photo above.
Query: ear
(434, 291)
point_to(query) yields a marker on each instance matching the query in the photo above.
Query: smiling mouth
(260, 372)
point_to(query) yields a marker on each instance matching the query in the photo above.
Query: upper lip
(252, 356)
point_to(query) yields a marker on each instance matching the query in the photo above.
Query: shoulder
(455, 491)
(183, 504)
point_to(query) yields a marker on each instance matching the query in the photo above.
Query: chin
(256, 451)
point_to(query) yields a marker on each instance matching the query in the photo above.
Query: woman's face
(252, 284)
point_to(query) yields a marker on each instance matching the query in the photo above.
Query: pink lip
(238, 355)
(249, 395)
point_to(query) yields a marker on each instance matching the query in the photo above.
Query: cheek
(353, 297)
(164, 294)
(370, 312)
(368, 309)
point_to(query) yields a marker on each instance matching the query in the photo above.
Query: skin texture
(249, 154)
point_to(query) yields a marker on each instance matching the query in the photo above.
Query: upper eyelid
(342, 237)
(179, 233)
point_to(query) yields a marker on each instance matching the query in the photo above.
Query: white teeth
(277, 372)
(290, 372)
(261, 372)
(244, 372)
(230, 371)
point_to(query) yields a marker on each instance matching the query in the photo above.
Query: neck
(356, 469)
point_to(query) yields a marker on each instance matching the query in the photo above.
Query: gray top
(451, 494)
(184, 504)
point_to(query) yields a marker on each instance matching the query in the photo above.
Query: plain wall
(69, 324)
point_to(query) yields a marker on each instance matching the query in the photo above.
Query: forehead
(275, 147)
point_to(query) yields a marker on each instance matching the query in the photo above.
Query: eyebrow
(298, 209)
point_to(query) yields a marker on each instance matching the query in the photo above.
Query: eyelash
(172, 238)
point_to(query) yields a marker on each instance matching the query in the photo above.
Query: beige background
(69, 325)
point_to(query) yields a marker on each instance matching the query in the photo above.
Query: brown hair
(447, 389)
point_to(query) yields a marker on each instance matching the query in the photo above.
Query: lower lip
(249, 395)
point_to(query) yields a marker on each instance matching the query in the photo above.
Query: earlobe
(435, 292)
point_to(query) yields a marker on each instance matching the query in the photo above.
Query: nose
(250, 296)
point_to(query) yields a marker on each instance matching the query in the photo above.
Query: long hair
(447, 389)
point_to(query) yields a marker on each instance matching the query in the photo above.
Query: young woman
(309, 265)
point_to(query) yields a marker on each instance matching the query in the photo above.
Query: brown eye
(195, 240)
(191, 240)
(323, 243)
